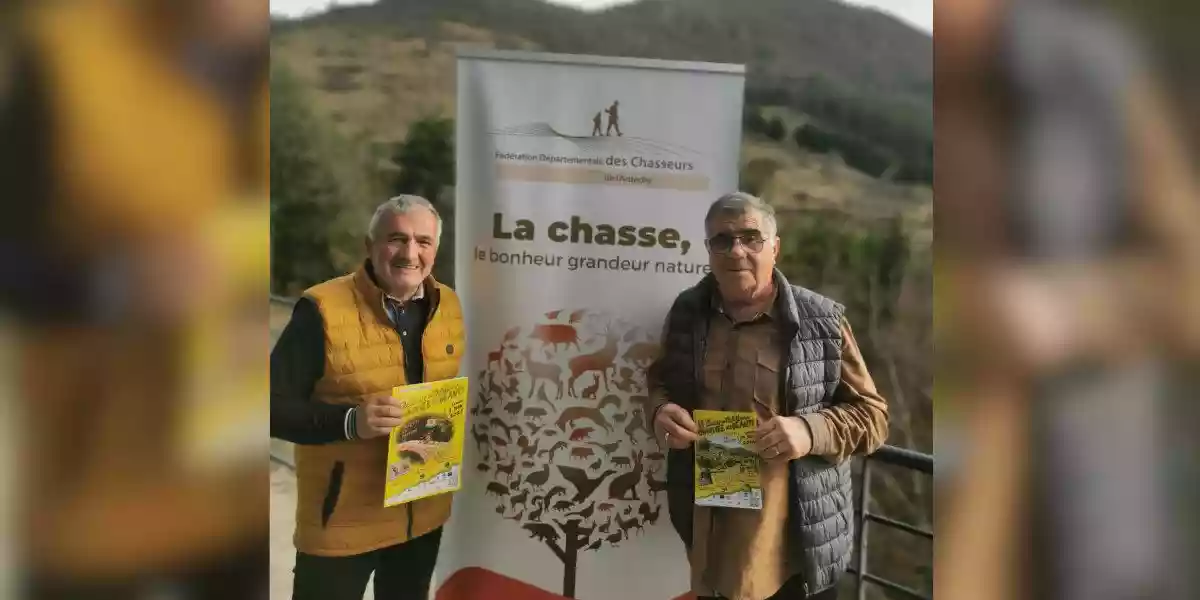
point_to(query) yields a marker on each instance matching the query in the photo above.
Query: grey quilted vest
(820, 521)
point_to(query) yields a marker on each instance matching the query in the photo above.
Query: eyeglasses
(722, 243)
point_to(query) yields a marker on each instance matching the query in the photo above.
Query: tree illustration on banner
(563, 434)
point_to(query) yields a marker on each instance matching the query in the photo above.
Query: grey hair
(738, 204)
(400, 205)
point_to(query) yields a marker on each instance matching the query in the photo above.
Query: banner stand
(582, 186)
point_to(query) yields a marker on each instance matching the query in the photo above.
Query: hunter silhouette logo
(562, 429)
(604, 122)
(614, 120)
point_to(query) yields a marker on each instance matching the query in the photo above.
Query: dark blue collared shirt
(409, 319)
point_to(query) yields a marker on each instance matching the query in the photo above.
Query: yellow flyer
(425, 452)
(726, 465)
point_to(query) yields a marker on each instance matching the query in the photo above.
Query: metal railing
(900, 457)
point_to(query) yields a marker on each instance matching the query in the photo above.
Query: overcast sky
(917, 12)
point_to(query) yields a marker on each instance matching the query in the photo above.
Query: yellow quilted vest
(339, 510)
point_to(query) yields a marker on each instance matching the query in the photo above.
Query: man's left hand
(783, 438)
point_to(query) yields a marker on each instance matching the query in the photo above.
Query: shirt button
(404, 333)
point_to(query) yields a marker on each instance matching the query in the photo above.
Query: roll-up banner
(582, 185)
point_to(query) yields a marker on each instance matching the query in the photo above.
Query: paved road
(283, 507)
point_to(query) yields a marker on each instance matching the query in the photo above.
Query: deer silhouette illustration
(543, 373)
(598, 362)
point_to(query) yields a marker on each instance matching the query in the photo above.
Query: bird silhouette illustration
(538, 478)
(584, 486)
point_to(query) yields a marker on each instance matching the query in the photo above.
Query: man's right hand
(377, 416)
(675, 426)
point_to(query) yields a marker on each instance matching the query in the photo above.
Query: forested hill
(855, 48)
(837, 78)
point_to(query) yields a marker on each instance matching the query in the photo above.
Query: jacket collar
(786, 310)
(364, 282)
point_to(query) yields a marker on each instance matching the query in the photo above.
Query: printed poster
(726, 464)
(425, 452)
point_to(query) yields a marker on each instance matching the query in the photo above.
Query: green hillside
(862, 79)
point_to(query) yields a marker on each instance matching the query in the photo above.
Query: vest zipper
(425, 363)
(408, 532)
(785, 397)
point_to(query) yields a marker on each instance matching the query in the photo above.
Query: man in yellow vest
(349, 341)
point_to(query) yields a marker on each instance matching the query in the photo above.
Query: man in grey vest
(744, 339)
